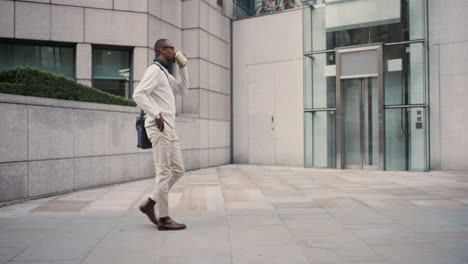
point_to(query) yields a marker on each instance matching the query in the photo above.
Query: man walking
(155, 96)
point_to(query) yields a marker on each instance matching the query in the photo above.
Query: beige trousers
(168, 164)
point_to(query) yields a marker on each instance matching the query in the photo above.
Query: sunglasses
(168, 47)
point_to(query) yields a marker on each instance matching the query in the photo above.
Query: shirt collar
(165, 65)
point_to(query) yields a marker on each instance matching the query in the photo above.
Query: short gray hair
(159, 45)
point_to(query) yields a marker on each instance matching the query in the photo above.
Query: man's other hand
(160, 123)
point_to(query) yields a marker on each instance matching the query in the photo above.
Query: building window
(112, 71)
(329, 25)
(247, 8)
(52, 58)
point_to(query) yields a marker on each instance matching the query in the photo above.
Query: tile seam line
(209, 61)
(98, 242)
(208, 90)
(22, 251)
(101, 8)
(100, 156)
(43, 237)
(207, 31)
(81, 6)
(295, 239)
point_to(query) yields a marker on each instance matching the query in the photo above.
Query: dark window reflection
(112, 70)
(59, 60)
(387, 33)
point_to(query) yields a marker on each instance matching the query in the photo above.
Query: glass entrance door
(360, 123)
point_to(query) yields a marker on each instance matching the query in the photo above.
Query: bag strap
(159, 65)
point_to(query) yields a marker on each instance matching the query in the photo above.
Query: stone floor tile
(20, 237)
(37, 222)
(446, 192)
(60, 249)
(8, 253)
(328, 203)
(455, 246)
(61, 206)
(121, 256)
(204, 223)
(88, 195)
(44, 200)
(253, 220)
(326, 194)
(455, 242)
(174, 200)
(438, 203)
(287, 199)
(236, 205)
(300, 211)
(358, 216)
(403, 191)
(301, 205)
(7, 220)
(341, 247)
(458, 216)
(376, 203)
(266, 235)
(385, 234)
(214, 204)
(373, 196)
(251, 212)
(243, 195)
(194, 260)
(311, 225)
(203, 179)
(19, 208)
(418, 197)
(192, 205)
(418, 220)
(416, 254)
(388, 203)
(268, 254)
(198, 244)
(79, 231)
(367, 262)
(123, 239)
(463, 201)
(350, 203)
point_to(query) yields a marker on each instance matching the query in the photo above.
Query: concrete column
(84, 63)
(7, 15)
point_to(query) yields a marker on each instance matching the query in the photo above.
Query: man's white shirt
(155, 93)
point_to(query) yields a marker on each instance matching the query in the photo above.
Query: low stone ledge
(39, 101)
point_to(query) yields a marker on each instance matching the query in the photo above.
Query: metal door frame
(339, 105)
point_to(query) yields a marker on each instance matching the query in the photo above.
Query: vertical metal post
(339, 114)
(231, 87)
(370, 151)
(380, 81)
(361, 120)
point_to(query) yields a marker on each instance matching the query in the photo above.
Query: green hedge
(35, 82)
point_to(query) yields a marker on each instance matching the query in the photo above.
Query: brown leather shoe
(166, 223)
(148, 209)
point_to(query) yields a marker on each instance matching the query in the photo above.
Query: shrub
(35, 82)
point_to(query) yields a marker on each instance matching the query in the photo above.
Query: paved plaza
(243, 214)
